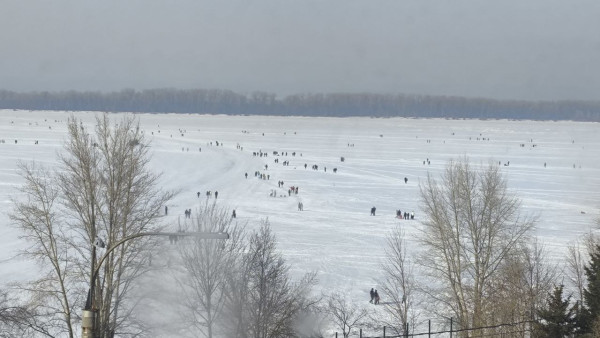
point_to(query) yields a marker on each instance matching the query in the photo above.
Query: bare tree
(236, 301)
(538, 276)
(103, 189)
(206, 263)
(592, 239)
(524, 281)
(398, 282)
(345, 315)
(43, 227)
(472, 226)
(16, 320)
(575, 268)
(262, 300)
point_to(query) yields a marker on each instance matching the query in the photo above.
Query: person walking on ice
(373, 211)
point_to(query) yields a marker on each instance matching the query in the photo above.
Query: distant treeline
(216, 101)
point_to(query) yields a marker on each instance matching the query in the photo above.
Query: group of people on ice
(399, 214)
(405, 215)
(209, 194)
(260, 175)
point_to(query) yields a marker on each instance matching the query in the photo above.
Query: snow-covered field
(334, 235)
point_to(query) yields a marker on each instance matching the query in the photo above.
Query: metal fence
(504, 330)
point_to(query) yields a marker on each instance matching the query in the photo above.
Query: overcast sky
(515, 49)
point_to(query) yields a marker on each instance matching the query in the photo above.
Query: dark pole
(92, 281)
(450, 327)
(384, 332)
(429, 328)
(88, 317)
(89, 304)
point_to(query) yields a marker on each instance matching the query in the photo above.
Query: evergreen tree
(558, 318)
(591, 293)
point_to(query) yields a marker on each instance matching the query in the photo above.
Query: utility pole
(88, 317)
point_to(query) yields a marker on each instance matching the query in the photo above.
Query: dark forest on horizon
(218, 101)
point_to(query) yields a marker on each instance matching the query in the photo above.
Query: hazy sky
(520, 49)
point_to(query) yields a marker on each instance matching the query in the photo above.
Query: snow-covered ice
(334, 235)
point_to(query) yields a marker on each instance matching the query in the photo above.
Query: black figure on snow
(376, 298)
(198, 193)
(372, 293)
(233, 215)
(216, 194)
(166, 210)
(373, 211)
(405, 180)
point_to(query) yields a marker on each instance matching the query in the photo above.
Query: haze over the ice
(334, 235)
(537, 49)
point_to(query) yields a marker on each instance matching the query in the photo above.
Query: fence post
(384, 332)
(360, 333)
(429, 329)
(406, 331)
(336, 335)
(450, 327)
